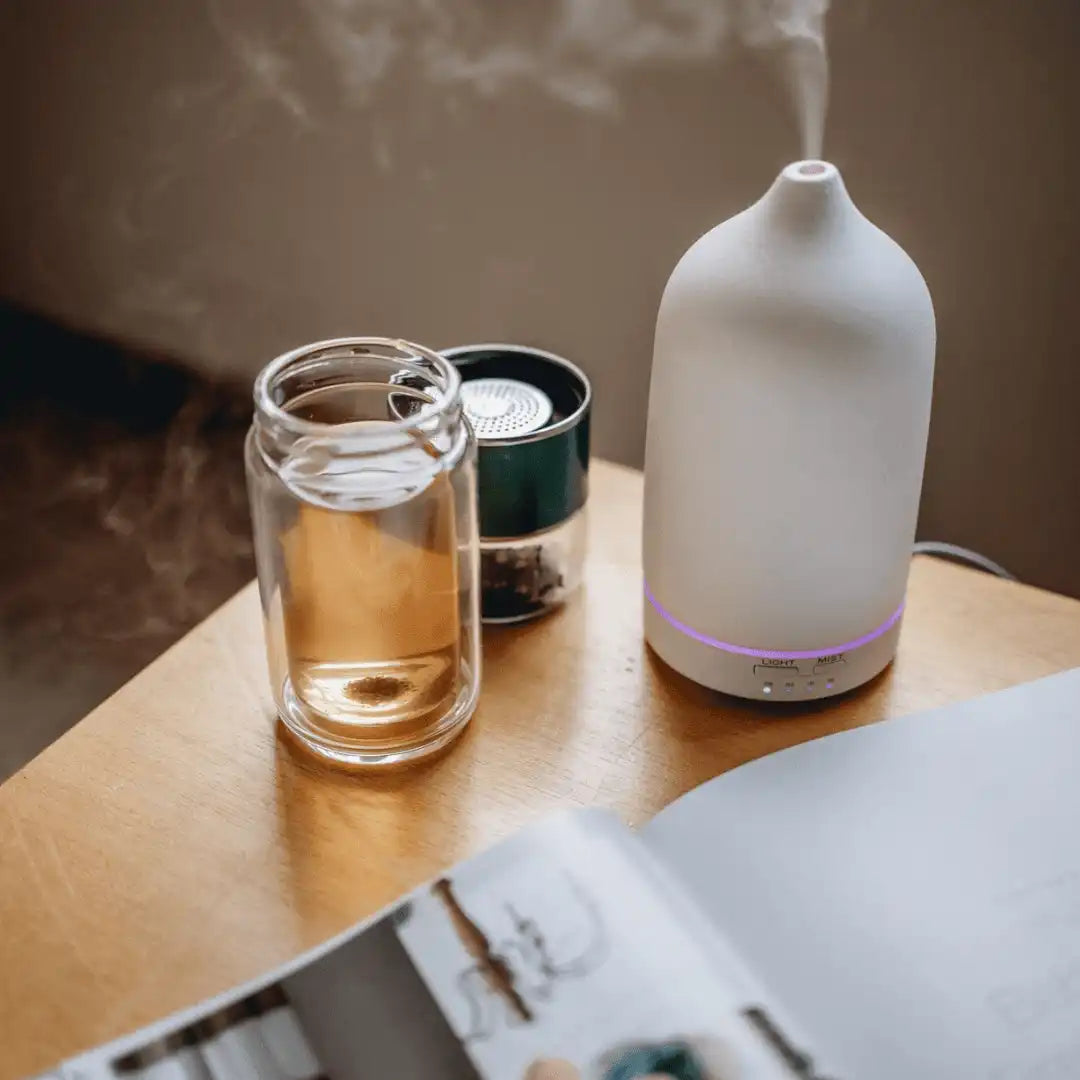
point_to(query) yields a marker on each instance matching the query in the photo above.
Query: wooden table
(173, 843)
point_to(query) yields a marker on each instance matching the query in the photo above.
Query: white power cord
(964, 555)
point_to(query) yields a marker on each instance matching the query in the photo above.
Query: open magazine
(894, 902)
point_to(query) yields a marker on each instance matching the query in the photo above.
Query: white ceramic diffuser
(788, 416)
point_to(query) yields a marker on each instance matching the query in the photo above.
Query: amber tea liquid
(370, 612)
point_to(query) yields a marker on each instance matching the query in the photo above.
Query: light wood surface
(174, 843)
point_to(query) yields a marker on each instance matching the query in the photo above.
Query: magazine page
(910, 890)
(562, 954)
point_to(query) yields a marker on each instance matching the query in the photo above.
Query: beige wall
(158, 188)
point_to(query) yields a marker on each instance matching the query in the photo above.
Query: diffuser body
(788, 417)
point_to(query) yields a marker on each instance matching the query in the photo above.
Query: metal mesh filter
(504, 408)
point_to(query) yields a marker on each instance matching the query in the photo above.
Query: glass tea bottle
(362, 478)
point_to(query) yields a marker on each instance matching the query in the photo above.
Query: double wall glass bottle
(362, 477)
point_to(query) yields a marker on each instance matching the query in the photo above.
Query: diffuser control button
(776, 672)
(831, 663)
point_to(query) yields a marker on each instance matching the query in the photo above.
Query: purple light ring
(774, 654)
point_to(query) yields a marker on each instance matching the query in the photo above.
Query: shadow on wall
(259, 175)
(124, 524)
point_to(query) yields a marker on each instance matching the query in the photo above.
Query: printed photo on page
(565, 960)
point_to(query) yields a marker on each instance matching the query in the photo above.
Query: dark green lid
(530, 411)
